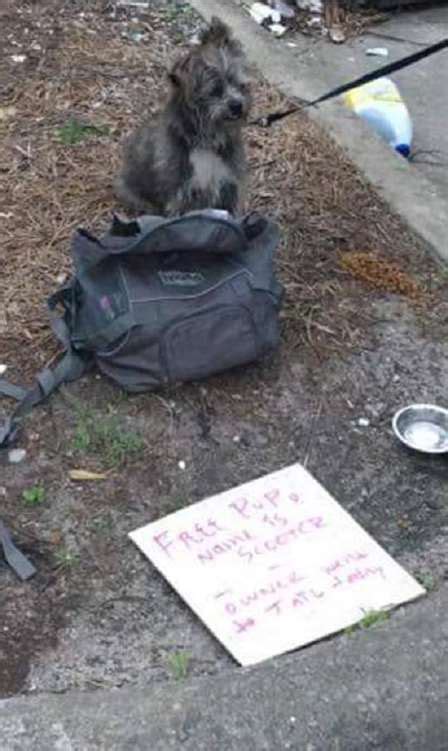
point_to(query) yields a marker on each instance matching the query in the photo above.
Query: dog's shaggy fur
(192, 155)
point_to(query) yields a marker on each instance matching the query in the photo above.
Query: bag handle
(149, 235)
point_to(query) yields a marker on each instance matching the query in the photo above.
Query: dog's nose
(236, 107)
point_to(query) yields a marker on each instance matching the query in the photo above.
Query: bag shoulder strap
(13, 556)
(71, 367)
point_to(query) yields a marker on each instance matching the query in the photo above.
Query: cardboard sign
(274, 564)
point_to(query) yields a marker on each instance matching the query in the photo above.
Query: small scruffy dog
(192, 156)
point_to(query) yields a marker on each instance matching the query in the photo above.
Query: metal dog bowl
(423, 427)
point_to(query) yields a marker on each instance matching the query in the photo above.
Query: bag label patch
(181, 278)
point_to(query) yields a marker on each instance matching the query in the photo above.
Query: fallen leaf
(56, 537)
(84, 474)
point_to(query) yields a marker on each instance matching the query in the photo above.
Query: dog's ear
(173, 75)
(179, 70)
(218, 34)
(184, 74)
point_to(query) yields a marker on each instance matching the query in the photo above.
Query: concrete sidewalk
(313, 66)
(384, 688)
(423, 85)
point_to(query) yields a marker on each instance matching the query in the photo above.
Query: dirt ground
(364, 333)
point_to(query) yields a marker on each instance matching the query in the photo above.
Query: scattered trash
(182, 465)
(84, 475)
(325, 16)
(260, 12)
(236, 438)
(3, 369)
(379, 103)
(277, 29)
(7, 112)
(61, 278)
(423, 427)
(316, 22)
(314, 6)
(14, 557)
(15, 456)
(18, 58)
(286, 11)
(268, 16)
(6, 215)
(378, 51)
(363, 422)
(133, 4)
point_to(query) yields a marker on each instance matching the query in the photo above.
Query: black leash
(266, 121)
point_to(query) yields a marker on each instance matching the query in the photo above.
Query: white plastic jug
(379, 103)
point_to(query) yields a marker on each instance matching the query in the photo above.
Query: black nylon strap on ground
(11, 390)
(13, 556)
(385, 70)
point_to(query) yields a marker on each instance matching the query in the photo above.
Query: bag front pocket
(209, 342)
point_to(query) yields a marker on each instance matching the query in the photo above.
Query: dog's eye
(243, 86)
(217, 89)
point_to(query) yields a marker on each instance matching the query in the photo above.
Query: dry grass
(86, 69)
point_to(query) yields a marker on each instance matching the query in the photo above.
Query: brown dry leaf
(81, 475)
(56, 537)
